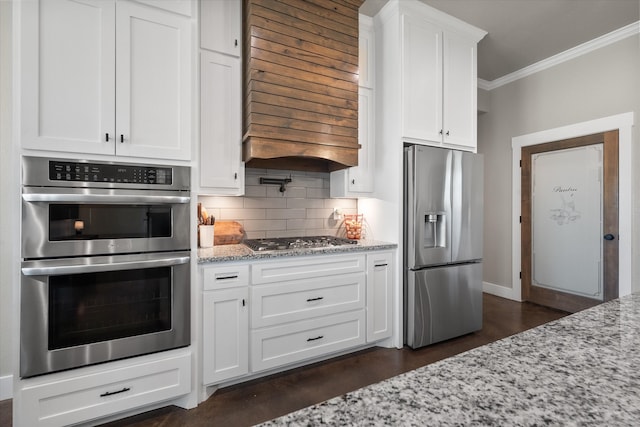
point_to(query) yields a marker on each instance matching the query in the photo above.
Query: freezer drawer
(442, 303)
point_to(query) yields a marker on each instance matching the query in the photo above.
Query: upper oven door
(59, 222)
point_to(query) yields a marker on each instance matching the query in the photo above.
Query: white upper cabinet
(437, 74)
(460, 88)
(221, 166)
(358, 181)
(153, 83)
(105, 77)
(221, 26)
(421, 79)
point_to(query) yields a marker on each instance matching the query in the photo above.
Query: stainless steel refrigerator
(443, 244)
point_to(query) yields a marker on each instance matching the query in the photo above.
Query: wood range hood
(301, 84)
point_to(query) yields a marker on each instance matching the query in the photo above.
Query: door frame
(622, 122)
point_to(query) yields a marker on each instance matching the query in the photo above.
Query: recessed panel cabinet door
(460, 77)
(221, 168)
(225, 340)
(153, 69)
(421, 79)
(67, 75)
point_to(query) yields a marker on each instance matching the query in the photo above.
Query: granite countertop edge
(240, 252)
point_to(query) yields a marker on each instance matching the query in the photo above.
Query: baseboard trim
(499, 291)
(6, 387)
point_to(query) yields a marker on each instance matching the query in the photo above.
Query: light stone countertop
(581, 370)
(225, 253)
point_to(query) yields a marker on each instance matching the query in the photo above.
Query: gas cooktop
(284, 243)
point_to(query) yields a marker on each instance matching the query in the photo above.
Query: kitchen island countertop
(225, 253)
(579, 370)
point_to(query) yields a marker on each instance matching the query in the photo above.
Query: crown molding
(567, 55)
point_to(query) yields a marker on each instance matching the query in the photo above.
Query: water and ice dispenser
(435, 226)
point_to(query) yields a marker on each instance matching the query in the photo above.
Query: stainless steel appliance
(306, 242)
(443, 244)
(105, 262)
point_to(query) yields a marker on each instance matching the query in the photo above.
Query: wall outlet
(337, 214)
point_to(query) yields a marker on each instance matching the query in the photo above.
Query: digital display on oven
(97, 172)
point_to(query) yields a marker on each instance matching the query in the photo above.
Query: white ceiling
(523, 32)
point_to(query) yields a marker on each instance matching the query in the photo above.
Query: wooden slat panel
(313, 31)
(275, 121)
(328, 10)
(306, 86)
(292, 113)
(269, 99)
(314, 50)
(287, 92)
(303, 66)
(316, 23)
(255, 64)
(301, 136)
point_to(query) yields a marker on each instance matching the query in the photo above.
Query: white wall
(602, 83)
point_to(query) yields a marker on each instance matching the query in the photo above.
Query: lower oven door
(81, 311)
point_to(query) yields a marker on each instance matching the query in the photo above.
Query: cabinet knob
(235, 175)
(106, 137)
(440, 131)
(353, 181)
(447, 133)
(235, 42)
(121, 138)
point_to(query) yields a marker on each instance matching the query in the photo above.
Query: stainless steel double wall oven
(105, 262)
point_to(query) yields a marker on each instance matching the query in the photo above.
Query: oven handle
(103, 198)
(60, 267)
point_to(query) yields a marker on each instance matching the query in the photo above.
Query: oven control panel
(116, 173)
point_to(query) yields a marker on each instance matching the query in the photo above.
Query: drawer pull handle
(111, 393)
(314, 299)
(227, 277)
(381, 265)
(316, 338)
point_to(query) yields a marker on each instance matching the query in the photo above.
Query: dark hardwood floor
(267, 398)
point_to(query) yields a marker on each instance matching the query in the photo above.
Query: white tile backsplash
(304, 209)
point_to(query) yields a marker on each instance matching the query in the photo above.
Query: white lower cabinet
(91, 393)
(379, 295)
(225, 317)
(279, 312)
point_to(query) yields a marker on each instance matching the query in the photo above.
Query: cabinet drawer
(306, 268)
(86, 397)
(300, 300)
(225, 276)
(284, 344)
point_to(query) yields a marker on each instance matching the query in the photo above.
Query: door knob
(609, 237)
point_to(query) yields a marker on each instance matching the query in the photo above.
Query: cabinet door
(379, 295)
(460, 96)
(359, 180)
(361, 176)
(421, 79)
(221, 167)
(220, 24)
(153, 75)
(225, 331)
(67, 75)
